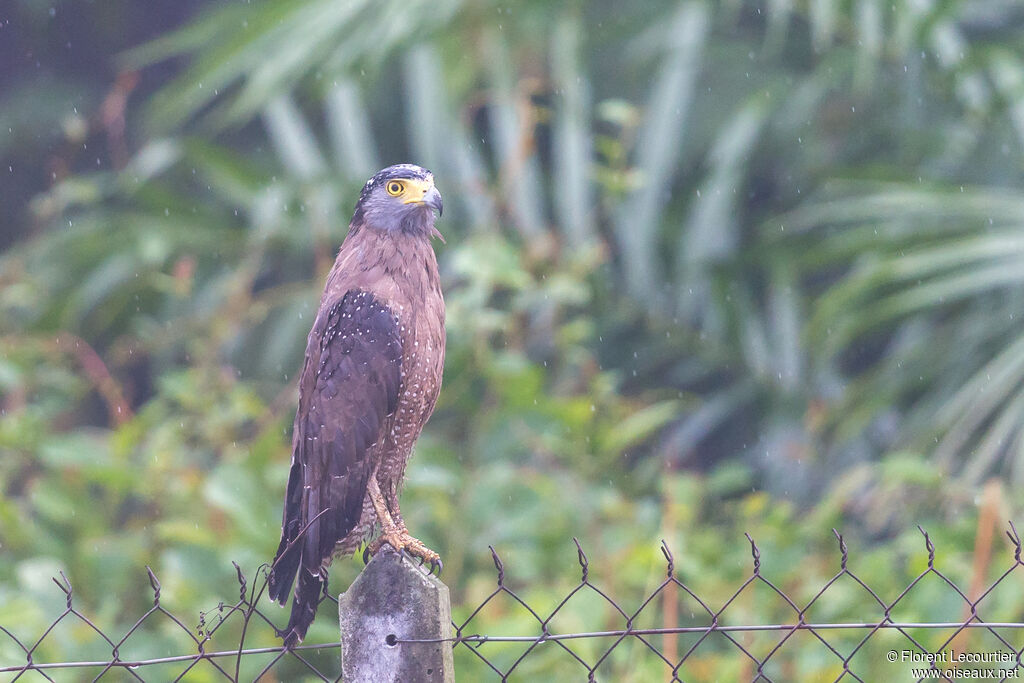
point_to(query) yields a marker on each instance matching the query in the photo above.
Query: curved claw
(407, 548)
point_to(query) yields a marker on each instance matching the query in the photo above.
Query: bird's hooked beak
(424, 192)
(432, 198)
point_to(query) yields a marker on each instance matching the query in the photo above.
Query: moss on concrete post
(394, 599)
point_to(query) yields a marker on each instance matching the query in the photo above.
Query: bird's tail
(307, 596)
(282, 572)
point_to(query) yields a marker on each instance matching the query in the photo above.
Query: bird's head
(400, 198)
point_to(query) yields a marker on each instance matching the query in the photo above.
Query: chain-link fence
(692, 634)
(235, 663)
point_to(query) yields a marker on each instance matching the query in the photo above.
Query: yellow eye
(395, 188)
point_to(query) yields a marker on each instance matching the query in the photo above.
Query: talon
(366, 555)
(406, 546)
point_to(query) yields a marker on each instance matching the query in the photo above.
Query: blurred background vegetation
(711, 267)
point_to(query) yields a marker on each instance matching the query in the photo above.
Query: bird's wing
(348, 388)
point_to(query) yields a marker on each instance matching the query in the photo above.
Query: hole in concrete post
(391, 639)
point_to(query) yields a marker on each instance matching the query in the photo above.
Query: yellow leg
(395, 534)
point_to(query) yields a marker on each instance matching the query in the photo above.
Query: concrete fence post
(391, 600)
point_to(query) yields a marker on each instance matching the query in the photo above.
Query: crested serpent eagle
(370, 378)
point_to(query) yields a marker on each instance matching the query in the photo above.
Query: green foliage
(711, 268)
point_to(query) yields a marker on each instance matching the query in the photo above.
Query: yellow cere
(412, 190)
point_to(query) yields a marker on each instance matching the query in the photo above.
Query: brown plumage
(369, 383)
